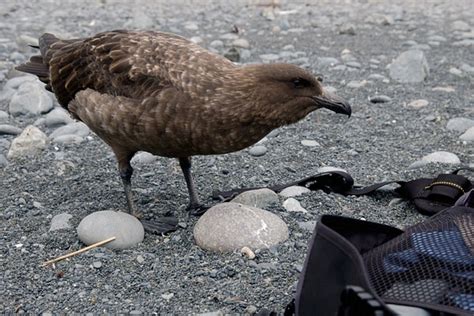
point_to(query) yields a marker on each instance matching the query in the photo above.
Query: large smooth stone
(230, 226)
(31, 99)
(101, 225)
(410, 67)
(260, 198)
(76, 128)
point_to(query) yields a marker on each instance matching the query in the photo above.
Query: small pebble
(258, 150)
(418, 104)
(292, 205)
(97, 264)
(247, 252)
(140, 259)
(294, 191)
(309, 143)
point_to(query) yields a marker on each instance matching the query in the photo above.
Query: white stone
(30, 142)
(292, 205)
(330, 169)
(260, 198)
(309, 143)
(294, 190)
(101, 225)
(231, 226)
(442, 157)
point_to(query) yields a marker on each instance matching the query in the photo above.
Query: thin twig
(97, 244)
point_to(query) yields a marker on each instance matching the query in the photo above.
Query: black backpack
(356, 267)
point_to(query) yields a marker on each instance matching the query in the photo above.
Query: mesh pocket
(431, 263)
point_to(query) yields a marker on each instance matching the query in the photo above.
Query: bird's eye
(299, 83)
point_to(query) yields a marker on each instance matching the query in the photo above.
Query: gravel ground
(170, 274)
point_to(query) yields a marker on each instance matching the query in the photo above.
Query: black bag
(356, 267)
(360, 268)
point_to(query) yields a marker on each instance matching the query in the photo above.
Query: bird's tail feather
(38, 64)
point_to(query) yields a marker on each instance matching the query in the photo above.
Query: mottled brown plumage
(160, 93)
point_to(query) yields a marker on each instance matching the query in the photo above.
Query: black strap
(430, 195)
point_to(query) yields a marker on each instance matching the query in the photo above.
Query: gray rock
(380, 98)
(410, 67)
(347, 28)
(292, 205)
(105, 224)
(376, 77)
(356, 84)
(30, 99)
(56, 117)
(442, 157)
(228, 227)
(16, 82)
(3, 161)
(460, 26)
(76, 128)
(29, 143)
(68, 139)
(97, 264)
(459, 124)
(468, 135)
(241, 43)
(217, 44)
(260, 198)
(294, 190)
(258, 151)
(6, 129)
(143, 158)
(60, 221)
(380, 19)
(3, 116)
(354, 64)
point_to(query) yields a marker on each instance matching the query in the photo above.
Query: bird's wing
(123, 63)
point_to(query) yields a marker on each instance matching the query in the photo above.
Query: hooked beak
(333, 102)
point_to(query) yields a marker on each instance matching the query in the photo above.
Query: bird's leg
(194, 206)
(126, 171)
(157, 225)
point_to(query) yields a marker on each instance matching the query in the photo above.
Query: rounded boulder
(101, 225)
(227, 227)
